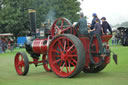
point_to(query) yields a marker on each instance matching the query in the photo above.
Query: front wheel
(21, 63)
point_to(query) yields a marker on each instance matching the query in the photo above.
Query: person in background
(113, 39)
(82, 25)
(94, 15)
(11, 45)
(1, 45)
(106, 26)
(97, 28)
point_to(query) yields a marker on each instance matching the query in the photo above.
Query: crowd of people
(119, 38)
(6, 43)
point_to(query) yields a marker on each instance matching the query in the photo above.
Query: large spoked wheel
(92, 69)
(60, 26)
(21, 63)
(45, 63)
(66, 55)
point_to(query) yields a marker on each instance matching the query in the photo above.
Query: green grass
(111, 75)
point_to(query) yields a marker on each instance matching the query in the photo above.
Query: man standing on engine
(82, 25)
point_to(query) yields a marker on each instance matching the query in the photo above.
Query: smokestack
(32, 16)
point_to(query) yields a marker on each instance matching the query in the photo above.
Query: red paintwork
(43, 61)
(58, 58)
(45, 65)
(86, 41)
(56, 30)
(19, 64)
(38, 46)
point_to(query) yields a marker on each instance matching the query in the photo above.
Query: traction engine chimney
(32, 16)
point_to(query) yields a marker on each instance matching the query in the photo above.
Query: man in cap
(82, 25)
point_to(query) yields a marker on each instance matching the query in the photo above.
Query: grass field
(111, 75)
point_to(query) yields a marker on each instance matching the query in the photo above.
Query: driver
(82, 25)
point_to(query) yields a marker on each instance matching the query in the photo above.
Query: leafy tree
(14, 16)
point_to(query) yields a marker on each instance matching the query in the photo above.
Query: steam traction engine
(67, 52)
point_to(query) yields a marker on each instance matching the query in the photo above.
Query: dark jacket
(98, 28)
(82, 25)
(93, 23)
(105, 26)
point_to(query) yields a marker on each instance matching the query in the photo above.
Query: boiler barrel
(39, 46)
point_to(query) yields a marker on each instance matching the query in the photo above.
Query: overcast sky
(116, 11)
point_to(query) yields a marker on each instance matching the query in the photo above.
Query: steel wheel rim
(19, 64)
(63, 56)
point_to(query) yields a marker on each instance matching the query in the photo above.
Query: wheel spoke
(59, 46)
(69, 67)
(70, 48)
(65, 29)
(56, 51)
(74, 50)
(57, 55)
(60, 63)
(72, 63)
(62, 23)
(57, 27)
(60, 43)
(72, 55)
(20, 68)
(67, 44)
(62, 67)
(64, 45)
(18, 63)
(66, 66)
(74, 60)
(56, 61)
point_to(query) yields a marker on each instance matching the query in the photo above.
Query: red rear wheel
(45, 63)
(21, 63)
(66, 55)
(60, 26)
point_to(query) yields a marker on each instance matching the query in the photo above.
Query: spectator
(113, 39)
(11, 45)
(1, 45)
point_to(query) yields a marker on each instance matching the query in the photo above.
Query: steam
(51, 16)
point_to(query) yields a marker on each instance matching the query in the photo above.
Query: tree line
(14, 17)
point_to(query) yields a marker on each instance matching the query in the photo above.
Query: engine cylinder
(39, 46)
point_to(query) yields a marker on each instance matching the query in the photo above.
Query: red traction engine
(65, 52)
